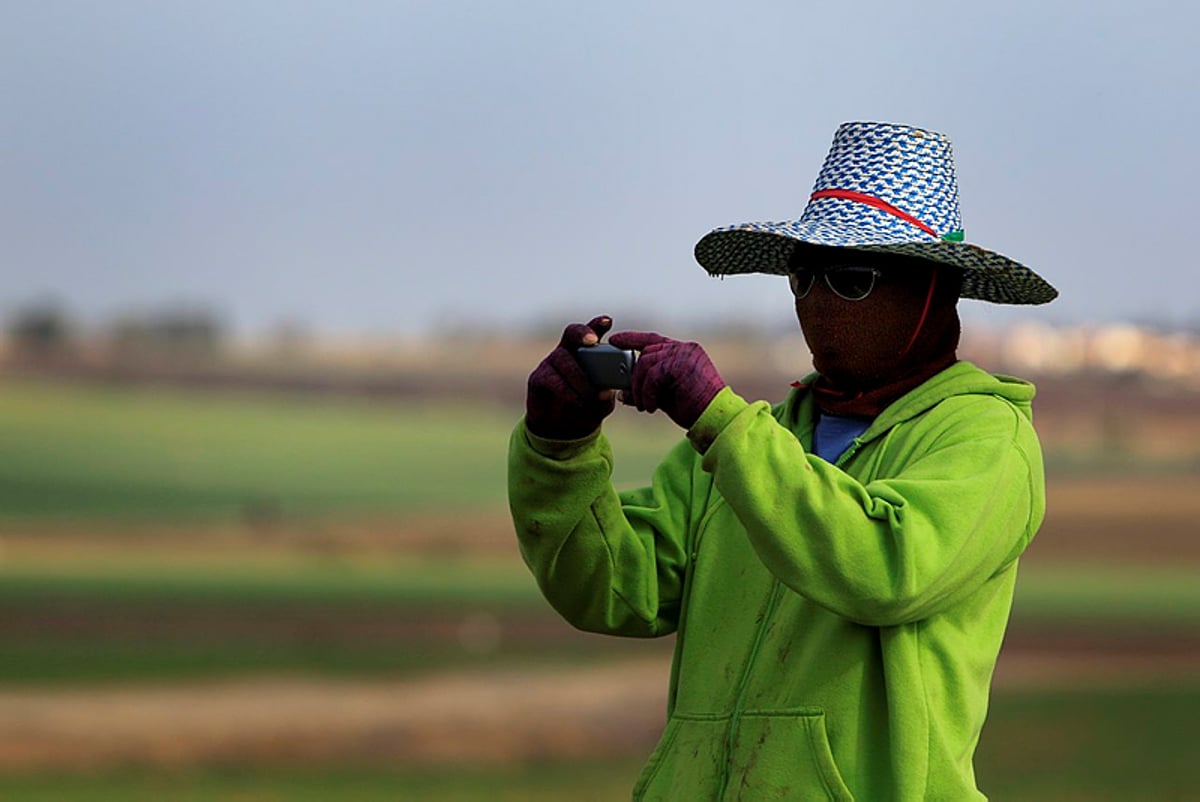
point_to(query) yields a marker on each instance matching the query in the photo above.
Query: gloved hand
(676, 377)
(560, 403)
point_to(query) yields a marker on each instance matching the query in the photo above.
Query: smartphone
(607, 367)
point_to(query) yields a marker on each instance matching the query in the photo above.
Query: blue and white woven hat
(884, 188)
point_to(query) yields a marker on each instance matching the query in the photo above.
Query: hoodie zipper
(740, 702)
(850, 451)
(777, 591)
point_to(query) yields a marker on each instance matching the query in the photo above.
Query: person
(838, 569)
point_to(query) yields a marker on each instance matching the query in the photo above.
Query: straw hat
(884, 188)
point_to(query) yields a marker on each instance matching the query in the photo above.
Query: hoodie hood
(961, 378)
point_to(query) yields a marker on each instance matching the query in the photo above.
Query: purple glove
(560, 403)
(676, 377)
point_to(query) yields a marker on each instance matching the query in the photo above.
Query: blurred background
(272, 277)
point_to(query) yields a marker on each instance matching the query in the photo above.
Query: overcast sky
(372, 167)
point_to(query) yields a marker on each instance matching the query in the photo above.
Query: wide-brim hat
(884, 188)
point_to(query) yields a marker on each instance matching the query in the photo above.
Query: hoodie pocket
(686, 764)
(775, 755)
(785, 755)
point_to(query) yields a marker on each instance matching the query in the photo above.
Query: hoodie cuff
(559, 449)
(724, 407)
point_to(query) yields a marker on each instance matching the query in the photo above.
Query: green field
(78, 452)
(73, 451)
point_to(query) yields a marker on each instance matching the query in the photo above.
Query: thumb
(636, 340)
(600, 325)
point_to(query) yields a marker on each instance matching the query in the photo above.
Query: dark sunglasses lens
(802, 282)
(851, 283)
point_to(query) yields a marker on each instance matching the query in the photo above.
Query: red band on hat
(871, 200)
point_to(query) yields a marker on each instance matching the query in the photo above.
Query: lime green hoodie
(836, 626)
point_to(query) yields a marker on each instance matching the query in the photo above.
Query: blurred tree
(174, 333)
(40, 331)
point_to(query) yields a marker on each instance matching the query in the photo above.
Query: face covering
(872, 351)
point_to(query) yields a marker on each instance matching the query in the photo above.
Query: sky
(367, 168)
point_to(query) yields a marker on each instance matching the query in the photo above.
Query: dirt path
(483, 717)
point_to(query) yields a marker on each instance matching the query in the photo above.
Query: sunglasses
(851, 282)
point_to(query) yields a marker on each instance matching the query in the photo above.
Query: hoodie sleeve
(958, 501)
(607, 562)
